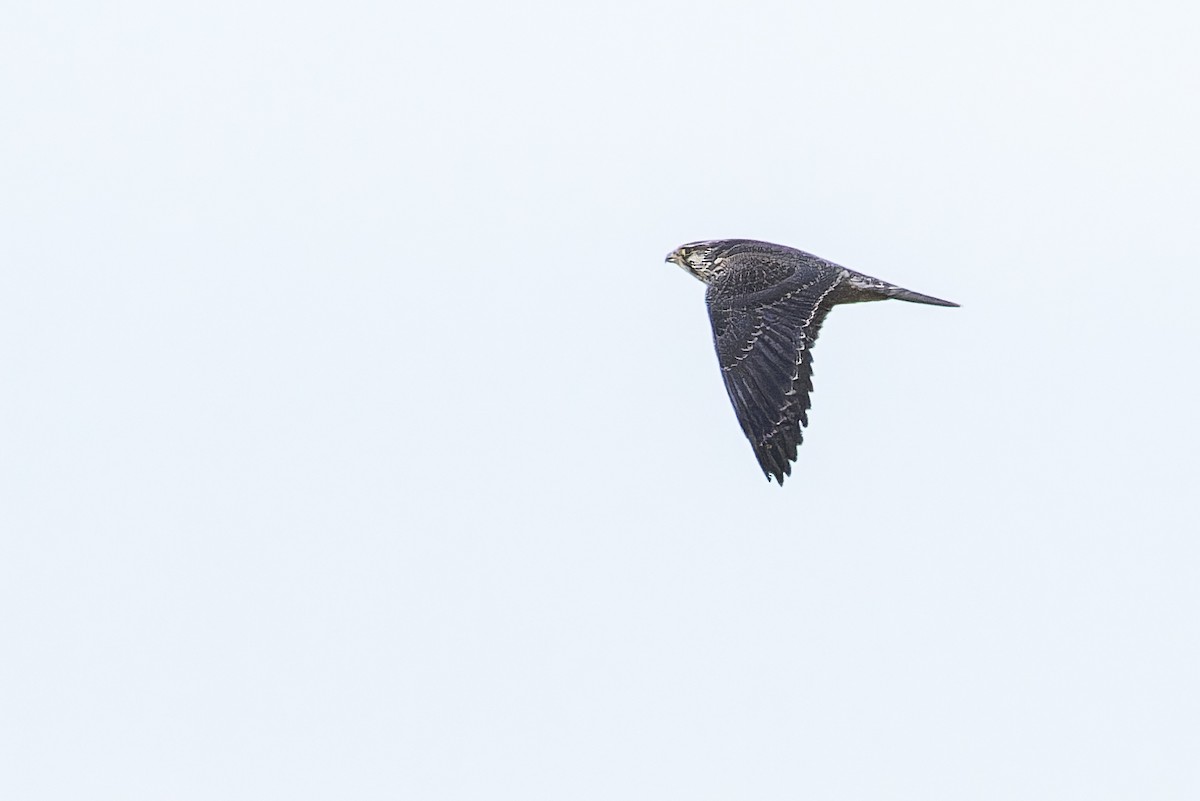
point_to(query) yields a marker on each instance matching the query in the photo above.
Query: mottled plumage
(767, 303)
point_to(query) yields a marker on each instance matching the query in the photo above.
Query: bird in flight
(766, 303)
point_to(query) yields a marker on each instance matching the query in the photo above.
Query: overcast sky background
(356, 442)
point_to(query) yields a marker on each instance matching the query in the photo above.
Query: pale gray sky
(356, 442)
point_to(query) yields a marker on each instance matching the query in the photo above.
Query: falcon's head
(701, 259)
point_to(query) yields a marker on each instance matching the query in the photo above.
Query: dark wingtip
(779, 470)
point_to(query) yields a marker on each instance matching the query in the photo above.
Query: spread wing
(764, 342)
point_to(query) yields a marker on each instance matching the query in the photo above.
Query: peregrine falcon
(766, 303)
